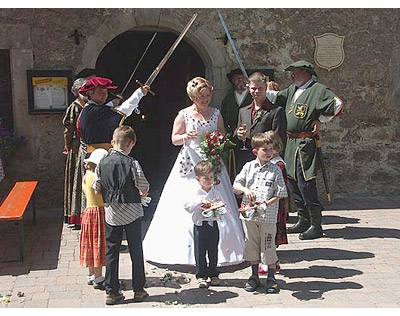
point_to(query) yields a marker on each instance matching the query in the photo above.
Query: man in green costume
(308, 104)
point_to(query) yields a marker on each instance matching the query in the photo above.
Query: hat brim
(234, 72)
(85, 91)
(311, 71)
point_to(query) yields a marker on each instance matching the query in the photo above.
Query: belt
(92, 147)
(300, 135)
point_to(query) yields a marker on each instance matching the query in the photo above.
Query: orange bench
(14, 206)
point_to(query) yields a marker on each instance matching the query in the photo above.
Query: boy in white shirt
(206, 206)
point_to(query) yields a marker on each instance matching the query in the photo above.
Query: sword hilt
(141, 85)
(120, 96)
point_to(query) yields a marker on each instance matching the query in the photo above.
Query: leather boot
(303, 223)
(299, 227)
(315, 230)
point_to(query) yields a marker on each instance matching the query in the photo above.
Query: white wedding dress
(169, 239)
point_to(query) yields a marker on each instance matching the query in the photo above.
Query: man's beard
(240, 86)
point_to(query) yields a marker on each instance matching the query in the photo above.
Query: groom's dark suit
(271, 118)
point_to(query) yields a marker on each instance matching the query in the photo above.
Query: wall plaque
(329, 52)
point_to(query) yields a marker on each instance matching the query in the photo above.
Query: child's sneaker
(215, 281)
(272, 286)
(202, 283)
(252, 284)
(90, 279)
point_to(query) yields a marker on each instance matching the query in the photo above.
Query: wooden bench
(14, 206)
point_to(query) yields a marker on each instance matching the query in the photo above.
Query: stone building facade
(361, 148)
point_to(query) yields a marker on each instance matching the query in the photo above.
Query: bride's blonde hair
(196, 85)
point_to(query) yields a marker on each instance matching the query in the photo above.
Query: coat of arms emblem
(300, 111)
(329, 52)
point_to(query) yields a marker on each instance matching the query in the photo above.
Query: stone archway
(199, 37)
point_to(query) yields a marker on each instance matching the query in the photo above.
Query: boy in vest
(121, 180)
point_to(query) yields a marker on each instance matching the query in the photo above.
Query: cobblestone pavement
(356, 265)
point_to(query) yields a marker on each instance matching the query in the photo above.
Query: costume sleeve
(338, 111)
(69, 126)
(224, 108)
(271, 95)
(129, 105)
(281, 98)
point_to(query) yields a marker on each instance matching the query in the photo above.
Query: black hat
(86, 72)
(302, 64)
(236, 71)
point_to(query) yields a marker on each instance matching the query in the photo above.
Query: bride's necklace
(199, 111)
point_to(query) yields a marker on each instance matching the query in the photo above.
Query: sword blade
(170, 51)
(137, 65)
(233, 47)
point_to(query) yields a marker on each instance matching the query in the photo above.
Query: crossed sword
(163, 61)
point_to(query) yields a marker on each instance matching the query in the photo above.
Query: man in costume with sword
(97, 123)
(99, 119)
(307, 104)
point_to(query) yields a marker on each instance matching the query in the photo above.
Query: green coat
(315, 100)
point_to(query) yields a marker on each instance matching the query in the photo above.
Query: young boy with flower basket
(207, 208)
(262, 185)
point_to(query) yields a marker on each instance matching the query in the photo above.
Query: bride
(169, 239)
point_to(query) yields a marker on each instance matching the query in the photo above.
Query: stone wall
(362, 147)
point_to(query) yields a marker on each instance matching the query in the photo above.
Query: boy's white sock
(90, 278)
(264, 267)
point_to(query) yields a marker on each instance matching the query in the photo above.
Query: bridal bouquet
(215, 146)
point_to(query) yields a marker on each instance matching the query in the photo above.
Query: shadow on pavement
(349, 232)
(312, 254)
